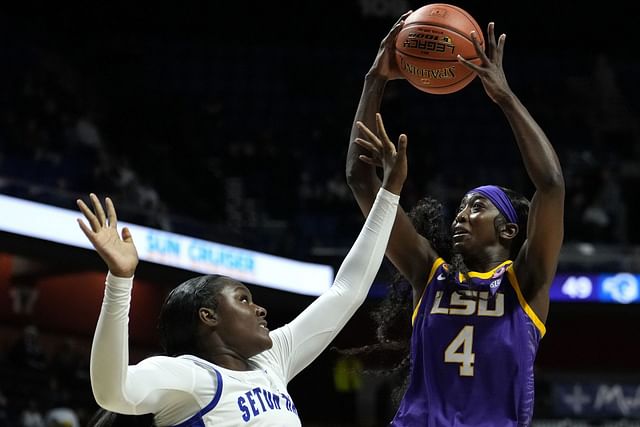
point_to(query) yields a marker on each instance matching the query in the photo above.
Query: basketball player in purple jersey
(478, 318)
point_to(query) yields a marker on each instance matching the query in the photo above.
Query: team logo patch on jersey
(499, 272)
(496, 283)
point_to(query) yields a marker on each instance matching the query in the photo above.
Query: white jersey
(189, 391)
(215, 396)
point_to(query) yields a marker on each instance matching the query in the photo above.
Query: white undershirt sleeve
(110, 347)
(298, 343)
(125, 389)
(142, 389)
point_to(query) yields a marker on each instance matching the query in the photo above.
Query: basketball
(428, 45)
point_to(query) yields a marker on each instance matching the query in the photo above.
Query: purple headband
(500, 199)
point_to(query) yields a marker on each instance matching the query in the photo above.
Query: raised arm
(411, 253)
(297, 344)
(110, 347)
(537, 261)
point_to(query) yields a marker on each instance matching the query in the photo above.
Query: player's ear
(208, 316)
(509, 231)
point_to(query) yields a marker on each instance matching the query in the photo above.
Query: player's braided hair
(393, 314)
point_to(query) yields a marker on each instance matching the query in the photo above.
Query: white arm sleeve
(298, 343)
(110, 347)
(138, 389)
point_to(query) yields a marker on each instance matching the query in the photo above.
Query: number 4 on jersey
(460, 351)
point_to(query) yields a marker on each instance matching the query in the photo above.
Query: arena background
(229, 121)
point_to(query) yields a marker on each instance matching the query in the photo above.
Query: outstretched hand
(385, 63)
(383, 154)
(490, 70)
(119, 253)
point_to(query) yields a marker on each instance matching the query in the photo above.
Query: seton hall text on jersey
(257, 400)
(468, 303)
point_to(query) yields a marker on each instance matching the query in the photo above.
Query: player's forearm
(319, 324)
(362, 177)
(538, 155)
(110, 347)
(363, 261)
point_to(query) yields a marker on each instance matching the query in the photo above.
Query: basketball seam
(471, 74)
(459, 9)
(468, 79)
(452, 29)
(434, 59)
(415, 55)
(462, 12)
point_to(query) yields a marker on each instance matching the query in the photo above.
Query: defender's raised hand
(383, 153)
(118, 252)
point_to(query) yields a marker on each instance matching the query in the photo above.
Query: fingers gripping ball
(428, 45)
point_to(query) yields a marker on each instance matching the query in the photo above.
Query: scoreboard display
(620, 287)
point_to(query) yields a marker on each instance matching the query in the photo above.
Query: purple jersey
(472, 352)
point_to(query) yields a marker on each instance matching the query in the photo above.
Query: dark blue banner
(597, 400)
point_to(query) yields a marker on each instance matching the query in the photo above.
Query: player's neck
(486, 260)
(230, 360)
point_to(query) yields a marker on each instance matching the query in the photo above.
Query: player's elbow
(552, 183)
(103, 399)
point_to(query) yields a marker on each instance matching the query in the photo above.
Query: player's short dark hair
(104, 418)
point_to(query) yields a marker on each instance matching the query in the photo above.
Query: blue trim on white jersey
(196, 420)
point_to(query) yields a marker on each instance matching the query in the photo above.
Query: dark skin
(229, 336)
(489, 239)
(478, 234)
(236, 330)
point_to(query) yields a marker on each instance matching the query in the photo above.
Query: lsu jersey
(473, 348)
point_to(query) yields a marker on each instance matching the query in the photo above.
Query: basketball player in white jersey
(223, 367)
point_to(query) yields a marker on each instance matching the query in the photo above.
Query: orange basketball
(428, 44)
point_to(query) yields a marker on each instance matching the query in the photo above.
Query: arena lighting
(59, 225)
(189, 253)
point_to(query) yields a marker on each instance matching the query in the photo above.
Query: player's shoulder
(438, 270)
(167, 362)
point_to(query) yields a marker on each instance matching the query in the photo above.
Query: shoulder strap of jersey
(511, 274)
(434, 269)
